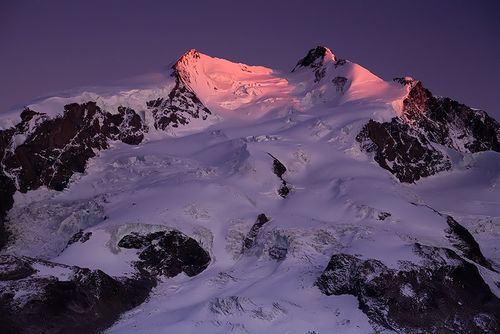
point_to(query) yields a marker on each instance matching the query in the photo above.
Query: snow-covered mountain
(238, 199)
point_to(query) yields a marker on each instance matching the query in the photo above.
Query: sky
(48, 46)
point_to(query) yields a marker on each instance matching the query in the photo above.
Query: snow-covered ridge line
(238, 90)
(224, 86)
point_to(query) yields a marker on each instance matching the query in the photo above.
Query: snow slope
(213, 183)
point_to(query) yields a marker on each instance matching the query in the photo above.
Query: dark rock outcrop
(319, 74)
(278, 253)
(340, 83)
(448, 122)
(279, 169)
(283, 190)
(404, 146)
(404, 81)
(251, 237)
(340, 62)
(133, 241)
(55, 149)
(408, 155)
(167, 253)
(7, 191)
(52, 150)
(80, 236)
(313, 59)
(383, 215)
(81, 301)
(279, 249)
(463, 240)
(7, 184)
(126, 126)
(444, 294)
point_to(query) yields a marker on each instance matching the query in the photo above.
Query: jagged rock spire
(315, 58)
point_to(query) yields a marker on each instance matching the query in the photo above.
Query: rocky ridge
(44, 297)
(408, 146)
(445, 294)
(182, 104)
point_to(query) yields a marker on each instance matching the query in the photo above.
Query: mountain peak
(191, 53)
(190, 56)
(316, 57)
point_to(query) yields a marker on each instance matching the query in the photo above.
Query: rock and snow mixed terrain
(238, 199)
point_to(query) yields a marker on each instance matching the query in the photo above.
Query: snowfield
(211, 181)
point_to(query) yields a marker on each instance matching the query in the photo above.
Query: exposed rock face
(133, 241)
(340, 83)
(313, 59)
(126, 126)
(80, 236)
(278, 253)
(279, 250)
(54, 149)
(7, 182)
(403, 152)
(463, 240)
(404, 146)
(182, 104)
(450, 123)
(340, 62)
(43, 297)
(405, 81)
(383, 215)
(316, 60)
(167, 253)
(251, 237)
(445, 294)
(7, 190)
(319, 74)
(279, 169)
(41, 151)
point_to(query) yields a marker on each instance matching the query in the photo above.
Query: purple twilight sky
(53, 45)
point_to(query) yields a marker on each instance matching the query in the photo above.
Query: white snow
(47, 270)
(213, 182)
